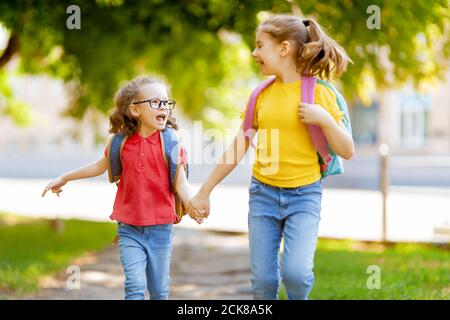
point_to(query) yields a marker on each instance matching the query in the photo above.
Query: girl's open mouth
(161, 117)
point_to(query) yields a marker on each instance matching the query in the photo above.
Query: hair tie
(306, 23)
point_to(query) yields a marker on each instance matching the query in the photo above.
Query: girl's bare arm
(183, 187)
(185, 192)
(90, 170)
(229, 160)
(340, 141)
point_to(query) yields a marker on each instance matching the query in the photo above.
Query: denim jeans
(145, 255)
(292, 214)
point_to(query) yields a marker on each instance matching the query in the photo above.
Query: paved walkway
(205, 265)
(413, 213)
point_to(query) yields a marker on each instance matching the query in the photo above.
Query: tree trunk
(11, 49)
(57, 225)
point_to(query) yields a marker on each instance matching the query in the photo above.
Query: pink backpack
(317, 136)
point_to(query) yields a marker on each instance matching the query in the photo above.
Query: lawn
(29, 249)
(407, 271)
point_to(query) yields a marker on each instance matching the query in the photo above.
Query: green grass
(407, 271)
(29, 249)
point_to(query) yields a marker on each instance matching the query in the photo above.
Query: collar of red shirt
(136, 138)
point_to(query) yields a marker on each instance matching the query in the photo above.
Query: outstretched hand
(55, 186)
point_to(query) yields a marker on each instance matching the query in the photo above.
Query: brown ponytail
(317, 54)
(121, 120)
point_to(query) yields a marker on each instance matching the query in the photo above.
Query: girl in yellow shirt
(286, 189)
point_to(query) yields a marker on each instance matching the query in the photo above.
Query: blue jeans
(292, 214)
(145, 255)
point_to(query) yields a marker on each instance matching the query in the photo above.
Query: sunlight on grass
(408, 271)
(30, 249)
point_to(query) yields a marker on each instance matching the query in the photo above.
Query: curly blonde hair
(120, 119)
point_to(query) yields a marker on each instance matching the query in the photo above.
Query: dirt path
(205, 265)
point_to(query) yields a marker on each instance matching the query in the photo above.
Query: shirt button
(142, 153)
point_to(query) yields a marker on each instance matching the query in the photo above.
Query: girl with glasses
(144, 206)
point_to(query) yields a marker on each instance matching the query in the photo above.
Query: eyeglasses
(156, 103)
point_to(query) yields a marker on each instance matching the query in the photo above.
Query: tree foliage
(193, 44)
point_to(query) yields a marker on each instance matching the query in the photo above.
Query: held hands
(199, 206)
(314, 114)
(197, 215)
(55, 186)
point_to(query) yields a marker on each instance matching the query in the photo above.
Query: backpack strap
(171, 153)
(170, 150)
(114, 161)
(250, 112)
(317, 136)
(114, 153)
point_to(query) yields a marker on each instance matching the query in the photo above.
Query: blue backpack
(171, 152)
(335, 166)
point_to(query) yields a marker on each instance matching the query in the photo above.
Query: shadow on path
(205, 265)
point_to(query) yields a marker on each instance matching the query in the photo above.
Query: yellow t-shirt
(285, 154)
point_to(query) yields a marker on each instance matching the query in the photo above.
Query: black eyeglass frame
(159, 103)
